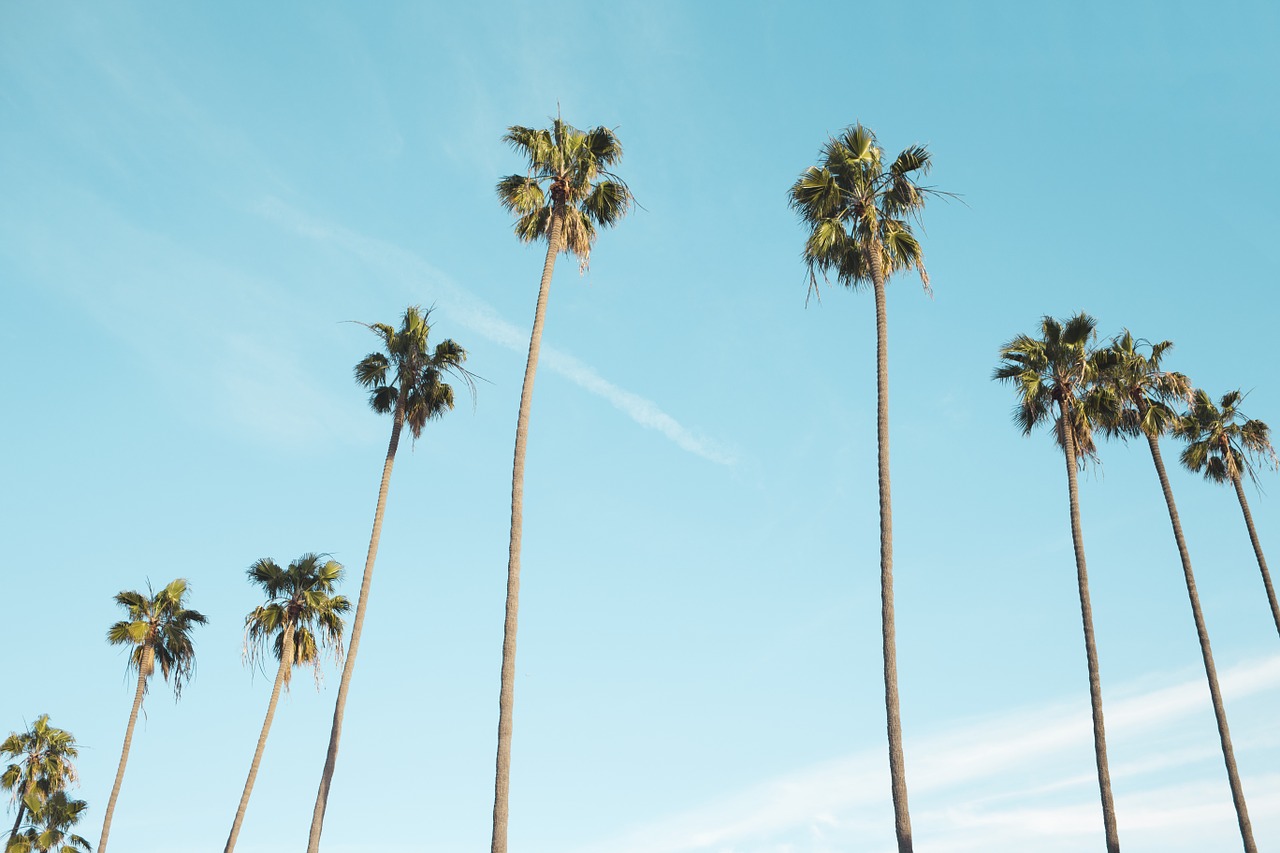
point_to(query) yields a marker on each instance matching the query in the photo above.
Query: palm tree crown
(1222, 443)
(1055, 369)
(300, 602)
(48, 828)
(1133, 393)
(41, 767)
(859, 213)
(407, 379)
(569, 177)
(159, 629)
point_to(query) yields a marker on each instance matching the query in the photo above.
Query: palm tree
(406, 380)
(158, 629)
(858, 214)
(1053, 372)
(1134, 395)
(566, 193)
(1224, 444)
(47, 828)
(43, 765)
(302, 616)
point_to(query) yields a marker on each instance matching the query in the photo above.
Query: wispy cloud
(478, 316)
(1016, 781)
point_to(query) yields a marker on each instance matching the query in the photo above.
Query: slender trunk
(897, 763)
(146, 665)
(286, 662)
(1090, 646)
(349, 665)
(1257, 549)
(1210, 671)
(22, 807)
(506, 695)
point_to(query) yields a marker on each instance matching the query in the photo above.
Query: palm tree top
(1133, 392)
(1054, 369)
(159, 622)
(301, 599)
(1223, 444)
(853, 205)
(568, 172)
(411, 372)
(43, 756)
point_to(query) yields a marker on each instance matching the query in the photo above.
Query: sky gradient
(194, 202)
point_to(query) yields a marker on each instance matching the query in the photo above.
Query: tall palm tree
(1224, 444)
(158, 628)
(566, 193)
(41, 767)
(1134, 393)
(407, 380)
(302, 616)
(48, 828)
(1051, 375)
(859, 213)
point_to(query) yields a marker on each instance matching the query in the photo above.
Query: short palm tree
(302, 616)
(1133, 393)
(158, 631)
(406, 380)
(858, 213)
(48, 828)
(41, 765)
(567, 192)
(1051, 375)
(1224, 445)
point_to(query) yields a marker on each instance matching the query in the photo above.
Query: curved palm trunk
(1257, 549)
(506, 694)
(144, 672)
(349, 665)
(22, 807)
(286, 661)
(1210, 671)
(897, 762)
(1090, 645)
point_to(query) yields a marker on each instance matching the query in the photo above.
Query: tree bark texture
(1257, 550)
(1210, 671)
(286, 661)
(1090, 644)
(349, 665)
(506, 695)
(144, 672)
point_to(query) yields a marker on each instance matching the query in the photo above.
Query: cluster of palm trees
(859, 211)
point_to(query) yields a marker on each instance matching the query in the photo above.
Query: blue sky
(193, 201)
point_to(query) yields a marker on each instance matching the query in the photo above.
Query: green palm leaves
(158, 627)
(1222, 443)
(568, 179)
(1134, 394)
(40, 767)
(858, 213)
(408, 377)
(301, 608)
(48, 829)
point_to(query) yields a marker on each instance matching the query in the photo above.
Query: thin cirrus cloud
(480, 317)
(1017, 781)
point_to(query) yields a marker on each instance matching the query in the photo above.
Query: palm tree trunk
(22, 807)
(1210, 671)
(1090, 645)
(897, 762)
(1257, 549)
(145, 666)
(349, 665)
(506, 694)
(286, 662)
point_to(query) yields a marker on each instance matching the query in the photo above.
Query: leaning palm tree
(158, 628)
(302, 616)
(1051, 374)
(859, 213)
(566, 193)
(407, 381)
(41, 765)
(1224, 444)
(1133, 395)
(48, 828)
